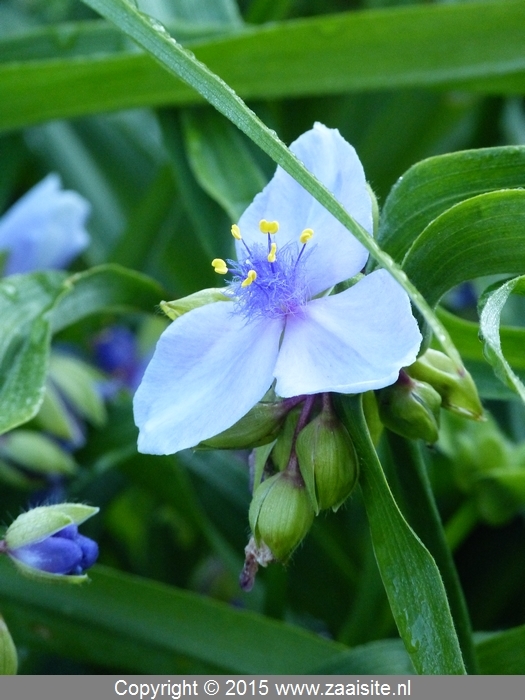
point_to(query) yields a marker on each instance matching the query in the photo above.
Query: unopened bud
(8, 656)
(328, 461)
(45, 543)
(281, 513)
(455, 385)
(410, 408)
(258, 427)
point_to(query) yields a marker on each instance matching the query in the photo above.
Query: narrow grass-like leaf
(484, 235)
(410, 575)
(156, 40)
(124, 622)
(221, 162)
(502, 653)
(432, 186)
(491, 306)
(445, 45)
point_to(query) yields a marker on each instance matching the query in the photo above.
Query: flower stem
(419, 507)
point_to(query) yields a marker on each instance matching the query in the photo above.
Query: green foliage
(422, 91)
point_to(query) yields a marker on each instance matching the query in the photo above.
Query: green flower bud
(455, 386)
(328, 461)
(258, 427)
(410, 408)
(179, 307)
(283, 447)
(8, 656)
(281, 513)
(36, 452)
(44, 521)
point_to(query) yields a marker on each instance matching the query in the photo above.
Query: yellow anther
(250, 277)
(268, 226)
(271, 254)
(306, 235)
(236, 232)
(219, 266)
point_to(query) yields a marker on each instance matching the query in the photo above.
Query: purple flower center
(270, 282)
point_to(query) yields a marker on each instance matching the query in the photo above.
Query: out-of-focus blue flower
(66, 552)
(45, 229)
(217, 361)
(117, 353)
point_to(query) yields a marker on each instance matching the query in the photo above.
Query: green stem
(461, 524)
(410, 576)
(419, 507)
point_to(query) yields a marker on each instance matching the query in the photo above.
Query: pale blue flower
(44, 229)
(215, 362)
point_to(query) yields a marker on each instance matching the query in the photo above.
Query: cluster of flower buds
(310, 466)
(411, 406)
(44, 542)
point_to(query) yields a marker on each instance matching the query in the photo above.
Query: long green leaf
(410, 575)
(478, 44)
(484, 235)
(432, 186)
(177, 60)
(503, 653)
(491, 306)
(124, 622)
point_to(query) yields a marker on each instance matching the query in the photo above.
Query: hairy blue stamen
(271, 282)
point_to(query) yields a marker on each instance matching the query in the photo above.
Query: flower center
(270, 281)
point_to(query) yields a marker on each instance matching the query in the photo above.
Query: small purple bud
(65, 553)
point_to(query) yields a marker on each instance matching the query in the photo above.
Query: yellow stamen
(219, 266)
(271, 254)
(306, 235)
(236, 232)
(268, 226)
(250, 277)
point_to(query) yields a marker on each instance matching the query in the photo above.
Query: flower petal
(56, 555)
(209, 368)
(45, 229)
(350, 342)
(337, 255)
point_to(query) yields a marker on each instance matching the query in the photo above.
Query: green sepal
(281, 513)
(43, 521)
(8, 655)
(179, 307)
(455, 385)
(283, 447)
(260, 457)
(327, 460)
(259, 426)
(39, 575)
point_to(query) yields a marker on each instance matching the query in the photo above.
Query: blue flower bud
(45, 542)
(65, 553)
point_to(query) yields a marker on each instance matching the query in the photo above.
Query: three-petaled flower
(214, 363)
